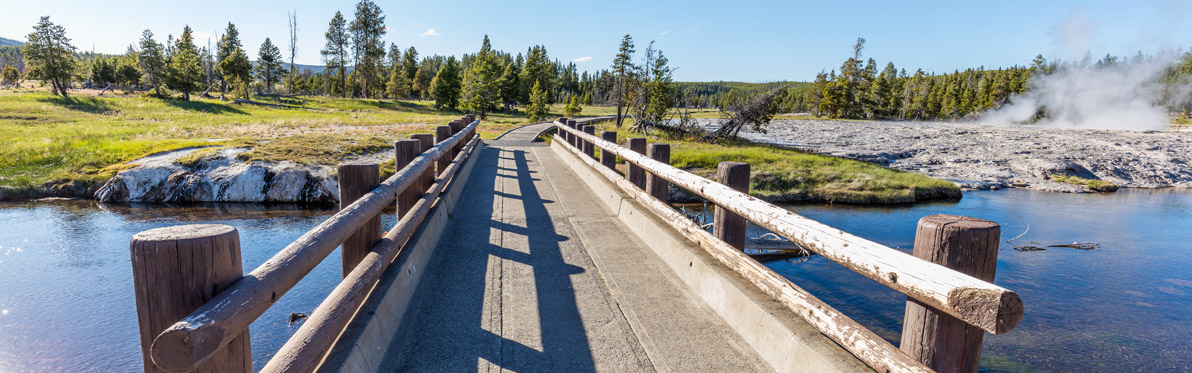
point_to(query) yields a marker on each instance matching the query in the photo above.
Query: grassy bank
(66, 146)
(790, 176)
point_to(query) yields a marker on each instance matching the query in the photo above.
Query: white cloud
(664, 32)
(582, 59)
(430, 32)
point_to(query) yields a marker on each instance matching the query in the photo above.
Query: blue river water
(66, 297)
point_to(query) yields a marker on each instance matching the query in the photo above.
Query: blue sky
(751, 41)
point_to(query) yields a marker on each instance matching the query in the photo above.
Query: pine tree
(151, 60)
(481, 82)
(446, 85)
(238, 71)
(622, 67)
(49, 56)
(186, 71)
(572, 109)
(10, 75)
(269, 64)
(539, 104)
(537, 68)
(662, 90)
(398, 86)
(367, 30)
(409, 64)
(335, 52)
(508, 90)
(421, 83)
(228, 43)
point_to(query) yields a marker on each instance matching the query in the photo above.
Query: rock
(219, 178)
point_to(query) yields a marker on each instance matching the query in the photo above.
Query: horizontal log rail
(191, 341)
(971, 300)
(308, 346)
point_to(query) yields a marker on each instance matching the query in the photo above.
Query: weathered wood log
(969, 246)
(574, 140)
(726, 225)
(442, 134)
(176, 270)
(607, 158)
(404, 152)
(218, 321)
(657, 186)
(635, 173)
(428, 141)
(588, 148)
(456, 127)
(563, 135)
(979, 303)
(307, 347)
(860, 341)
(356, 180)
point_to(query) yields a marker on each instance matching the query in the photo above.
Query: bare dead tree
(293, 17)
(754, 113)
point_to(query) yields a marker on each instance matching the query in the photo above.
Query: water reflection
(1123, 306)
(66, 298)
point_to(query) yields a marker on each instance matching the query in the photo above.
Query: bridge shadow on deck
(499, 292)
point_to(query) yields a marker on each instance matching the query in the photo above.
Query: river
(66, 299)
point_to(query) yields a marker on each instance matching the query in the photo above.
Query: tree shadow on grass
(203, 106)
(405, 106)
(84, 104)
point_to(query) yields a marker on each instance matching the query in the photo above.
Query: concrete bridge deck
(533, 274)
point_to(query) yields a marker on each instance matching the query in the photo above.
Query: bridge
(511, 254)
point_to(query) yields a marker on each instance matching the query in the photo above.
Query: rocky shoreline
(218, 177)
(976, 156)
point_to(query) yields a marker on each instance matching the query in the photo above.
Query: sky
(751, 41)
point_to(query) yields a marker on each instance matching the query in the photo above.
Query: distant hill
(6, 41)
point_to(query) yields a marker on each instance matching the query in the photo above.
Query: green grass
(79, 142)
(790, 175)
(1094, 185)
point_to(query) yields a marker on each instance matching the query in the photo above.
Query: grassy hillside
(6, 41)
(52, 145)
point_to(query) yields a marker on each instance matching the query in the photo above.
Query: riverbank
(54, 146)
(977, 156)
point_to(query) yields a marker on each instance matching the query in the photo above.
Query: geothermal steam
(1120, 96)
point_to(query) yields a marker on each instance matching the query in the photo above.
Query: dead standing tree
(754, 113)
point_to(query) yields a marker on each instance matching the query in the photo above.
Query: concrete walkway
(533, 274)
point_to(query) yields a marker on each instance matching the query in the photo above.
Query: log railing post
(404, 152)
(589, 147)
(607, 158)
(442, 133)
(573, 139)
(656, 185)
(727, 226)
(566, 137)
(456, 126)
(356, 180)
(176, 270)
(427, 141)
(635, 173)
(969, 246)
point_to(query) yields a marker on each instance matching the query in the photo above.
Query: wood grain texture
(356, 180)
(969, 246)
(588, 147)
(656, 185)
(307, 348)
(442, 134)
(607, 158)
(405, 152)
(726, 225)
(175, 271)
(635, 174)
(977, 302)
(428, 141)
(214, 325)
(858, 340)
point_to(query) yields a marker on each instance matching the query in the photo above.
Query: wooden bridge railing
(194, 308)
(946, 310)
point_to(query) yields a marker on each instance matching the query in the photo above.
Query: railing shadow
(481, 257)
